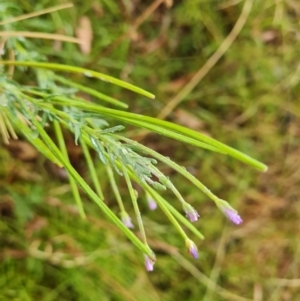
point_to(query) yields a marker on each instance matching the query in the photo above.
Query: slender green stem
(163, 159)
(92, 169)
(90, 91)
(167, 212)
(146, 125)
(135, 204)
(172, 164)
(3, 129)
(38, 143)
(86, 72)
(63, 148)
(115, 188)
(166, 182)
(173, 211)
(181, 218)
(9, 127)
(171, 130)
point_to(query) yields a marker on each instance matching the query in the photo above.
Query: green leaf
(30, 136)
(86, 72)
(90, 91)
(171, 130)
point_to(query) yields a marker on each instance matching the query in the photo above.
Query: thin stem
(74, 69)
(135, 204)
(63, 148)
(91, 168)
(3, 130)
(165, 181)
(173, 165)
(10, 128)
(115, 188)
(38, 143)
(181, 218)
(173, 211)
(90, 91)
(39, 35)
(167, 212)
(169, 129)
(37, 13)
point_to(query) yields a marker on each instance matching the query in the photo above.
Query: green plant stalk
(105, 209)
(177, 214)
(156, 155)
(169, 207)
(3, 130)
(135, 204)
(166, 182)
(165, 128)
(90, 91)
(171, 134)
(9, 127)
(153, 128)
(86, 72)
(63, 149)
(169, 129)
(92, 169)
(163, 131)
(173, 165)
(167, 212)
(163, 159)
(115, 188)
(181, 218)
(38, 143)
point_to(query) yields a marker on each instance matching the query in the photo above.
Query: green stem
(135, 204)
(169, 207)
(152, 127)
(86, 72)
(92, 169)
(181, 218)
(115, 188)
(38, 143)
(167, 212)
(63, 148)
(171, 130)
(90, 91)
(173, 165)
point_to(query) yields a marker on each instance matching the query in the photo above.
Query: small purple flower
(191, 213)
(126, 220)
(192, 249)
(151, 203)
(233, 216)
(231, 213)
(149, 264)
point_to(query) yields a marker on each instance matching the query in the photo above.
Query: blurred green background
(249, 99)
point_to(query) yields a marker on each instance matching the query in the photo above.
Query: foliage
(53, 98)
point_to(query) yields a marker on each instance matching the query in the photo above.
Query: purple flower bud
(151, 203)
(126, 220)
(149, 264)
(231, 213)
(191, 213)
(233, 216)
(192, 249)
